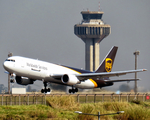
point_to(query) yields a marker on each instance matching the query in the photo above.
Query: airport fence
(29, 99)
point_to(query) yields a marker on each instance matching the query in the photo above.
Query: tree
(29, 88)
(3, 88)
(124, 88)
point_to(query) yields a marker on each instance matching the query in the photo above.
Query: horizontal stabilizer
(121, 80)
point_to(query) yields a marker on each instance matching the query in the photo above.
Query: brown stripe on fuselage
(80, 71)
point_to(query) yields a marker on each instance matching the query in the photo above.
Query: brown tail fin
(107, 64)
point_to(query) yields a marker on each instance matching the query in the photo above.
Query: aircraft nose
(5, 65)
(8, 66)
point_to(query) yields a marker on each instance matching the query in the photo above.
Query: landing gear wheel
(70, 90)
(73, 90)
(42, 91)
(45, 90)
(48, 90)
(76, 89)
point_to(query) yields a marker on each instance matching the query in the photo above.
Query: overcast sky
(44, 29)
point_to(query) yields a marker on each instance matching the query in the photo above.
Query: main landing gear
(73, 90)
(45, 90)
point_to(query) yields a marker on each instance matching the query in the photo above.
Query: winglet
(144, 69)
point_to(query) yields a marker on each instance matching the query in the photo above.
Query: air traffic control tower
(92, 31)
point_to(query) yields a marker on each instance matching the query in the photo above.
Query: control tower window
(91, 30)
(91, 16)
(84, 30)
(87, 31)
(106, 31)
(97, 30)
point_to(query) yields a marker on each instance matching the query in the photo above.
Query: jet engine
(23, 80)
(70, 79)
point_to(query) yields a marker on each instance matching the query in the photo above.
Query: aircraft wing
(85, 76)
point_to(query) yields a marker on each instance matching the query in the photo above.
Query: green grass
(26, 112)
(62, 108)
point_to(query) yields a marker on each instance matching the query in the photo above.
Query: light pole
(79, 112)
(9, 55)
(136, 53)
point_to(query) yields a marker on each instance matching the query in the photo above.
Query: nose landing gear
(45, 90)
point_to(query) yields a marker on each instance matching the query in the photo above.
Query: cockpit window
(10, 60)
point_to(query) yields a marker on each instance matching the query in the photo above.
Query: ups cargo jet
(26, 70)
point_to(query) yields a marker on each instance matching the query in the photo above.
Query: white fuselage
(40, 70)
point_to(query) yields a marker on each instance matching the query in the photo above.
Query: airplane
(26, 70)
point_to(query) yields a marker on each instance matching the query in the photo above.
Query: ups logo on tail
(108, 64)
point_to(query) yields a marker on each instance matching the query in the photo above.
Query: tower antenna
(99, 7)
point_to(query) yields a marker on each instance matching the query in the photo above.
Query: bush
(136, 102)
(63, 102)
(64, 108)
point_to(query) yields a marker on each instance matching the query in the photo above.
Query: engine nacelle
(70, 79)
(23, 81)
